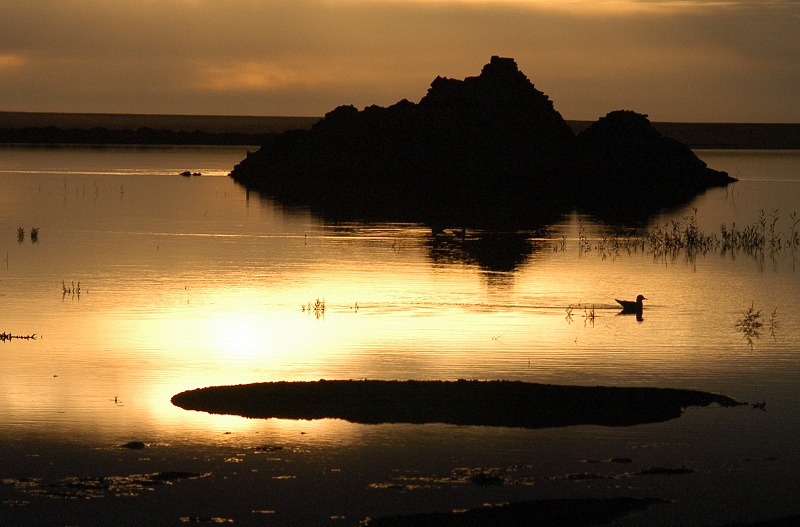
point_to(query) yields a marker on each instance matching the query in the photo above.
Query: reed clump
(589, 315)
(72, 290)
(34, 235)
(684, 237)
(750, 324)
(681, 236)
(318, 308)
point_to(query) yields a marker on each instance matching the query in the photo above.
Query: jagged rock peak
(502, 67)
(500, 81)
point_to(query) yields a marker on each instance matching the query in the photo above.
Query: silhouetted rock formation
(484, 151)
(622, 161)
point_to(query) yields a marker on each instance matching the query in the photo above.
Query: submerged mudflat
(583, 512)
(485, 403)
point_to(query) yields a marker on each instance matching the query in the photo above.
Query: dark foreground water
(138, 283)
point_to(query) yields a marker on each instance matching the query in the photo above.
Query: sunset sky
(727, 61)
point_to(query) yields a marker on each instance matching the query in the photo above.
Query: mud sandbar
(484, 403)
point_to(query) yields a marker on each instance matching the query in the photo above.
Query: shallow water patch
(89, 488)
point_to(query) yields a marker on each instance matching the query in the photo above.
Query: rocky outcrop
(623, 162)
(489, 150)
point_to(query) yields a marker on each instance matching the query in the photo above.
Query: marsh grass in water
(562, 245)
(71, 290)
(589, 315)
(318, 308)
(684, 237)
(583, 240)
(34, 235)
(750, 325)
(773, 323)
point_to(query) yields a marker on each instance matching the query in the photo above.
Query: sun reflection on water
(187, 284)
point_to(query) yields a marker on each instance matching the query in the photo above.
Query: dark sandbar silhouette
(484, 403)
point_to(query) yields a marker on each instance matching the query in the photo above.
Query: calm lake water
(139, 283)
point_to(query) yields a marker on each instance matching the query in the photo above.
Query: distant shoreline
(213, 124)
(87, 128)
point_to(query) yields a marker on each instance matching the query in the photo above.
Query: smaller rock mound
(623, 163)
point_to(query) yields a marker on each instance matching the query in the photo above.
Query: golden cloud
(250, 76)
(579, 7)
(11, 61)
(308, 72)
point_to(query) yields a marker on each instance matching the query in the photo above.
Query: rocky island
(485, 151)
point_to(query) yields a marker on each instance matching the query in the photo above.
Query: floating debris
(612, 460)
(269, 448)
(133, 445)
(583, 476)
(74, 487)
(664, 471)
(486, 479)
(198, 519)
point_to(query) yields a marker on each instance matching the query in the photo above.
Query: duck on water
(630, 306)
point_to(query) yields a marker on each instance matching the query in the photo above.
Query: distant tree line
(53, 135)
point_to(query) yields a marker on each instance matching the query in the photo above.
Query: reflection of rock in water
(499, 252)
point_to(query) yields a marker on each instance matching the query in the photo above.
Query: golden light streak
(580, 7)
(9, 60)
(255, 76)
(251, 76)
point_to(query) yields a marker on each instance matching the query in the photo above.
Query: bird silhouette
(629, 306)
